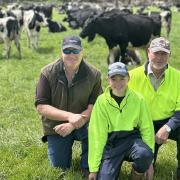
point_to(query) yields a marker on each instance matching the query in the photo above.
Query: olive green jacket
(84, 90)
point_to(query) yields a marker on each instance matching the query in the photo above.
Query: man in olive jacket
(65, 94)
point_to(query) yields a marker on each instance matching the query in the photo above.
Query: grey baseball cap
(117, 68)
(160, 44)
(72, 42)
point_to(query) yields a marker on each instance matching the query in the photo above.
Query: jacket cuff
(171, 124)
(93, 169)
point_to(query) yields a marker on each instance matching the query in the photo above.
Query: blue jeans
(60, 148)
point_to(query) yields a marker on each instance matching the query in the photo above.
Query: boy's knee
(142, 163)
(146, 155)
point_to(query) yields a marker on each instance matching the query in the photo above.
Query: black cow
(120, 29)
(55, 27)
(77, 17)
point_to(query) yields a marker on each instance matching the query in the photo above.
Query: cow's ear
(36, 12)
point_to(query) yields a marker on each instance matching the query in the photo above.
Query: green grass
(22, 154)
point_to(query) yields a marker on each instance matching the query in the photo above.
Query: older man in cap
(120, 129)
(65, 94)
(159, 83)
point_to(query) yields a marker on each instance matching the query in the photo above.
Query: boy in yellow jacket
(120, 129)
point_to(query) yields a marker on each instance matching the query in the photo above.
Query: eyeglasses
(71, 51)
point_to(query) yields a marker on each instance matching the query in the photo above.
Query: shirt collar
(148, 70)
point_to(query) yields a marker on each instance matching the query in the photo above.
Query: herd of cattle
(118, 26)
(15, 19)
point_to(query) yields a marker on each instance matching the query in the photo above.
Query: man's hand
(77, 120)
(64, 129)
(162, 135)
(93, 176)
(149, 173)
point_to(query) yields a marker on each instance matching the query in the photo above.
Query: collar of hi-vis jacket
(112, 101)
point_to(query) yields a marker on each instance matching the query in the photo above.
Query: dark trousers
(60, 148)
(139, 153)
(174, 135)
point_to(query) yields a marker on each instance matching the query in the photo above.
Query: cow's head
(2, 14)
(41, 19)
(89, 29)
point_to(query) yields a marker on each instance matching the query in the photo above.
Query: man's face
(158, 59)
(72, 57)
(118, 83)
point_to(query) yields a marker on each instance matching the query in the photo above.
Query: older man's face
(158, 59)
(72, 57)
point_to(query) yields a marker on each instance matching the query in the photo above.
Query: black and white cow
(32, 25)
(44, 9)
(132, 57)
(26, 6)
(120, 29)
(16, 13)
(166, 17)
(9, 31)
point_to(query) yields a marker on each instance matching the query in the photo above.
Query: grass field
(22, 154)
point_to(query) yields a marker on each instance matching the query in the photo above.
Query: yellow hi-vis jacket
(108, 117)
(164, 102)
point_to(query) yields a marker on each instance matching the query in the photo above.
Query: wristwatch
(168, 129)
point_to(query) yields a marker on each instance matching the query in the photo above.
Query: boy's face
(118, 83)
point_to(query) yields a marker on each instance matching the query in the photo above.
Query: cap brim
(118, 73)
(71, 46)
(156, 49)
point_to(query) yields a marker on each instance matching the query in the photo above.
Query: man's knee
(57, 161)
(59, 152)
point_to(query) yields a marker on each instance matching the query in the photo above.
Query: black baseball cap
(72, 42)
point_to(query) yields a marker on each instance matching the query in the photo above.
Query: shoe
(136, 176)
(178, 174)
(85, 173)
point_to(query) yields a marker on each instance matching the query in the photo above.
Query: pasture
(22, 154)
